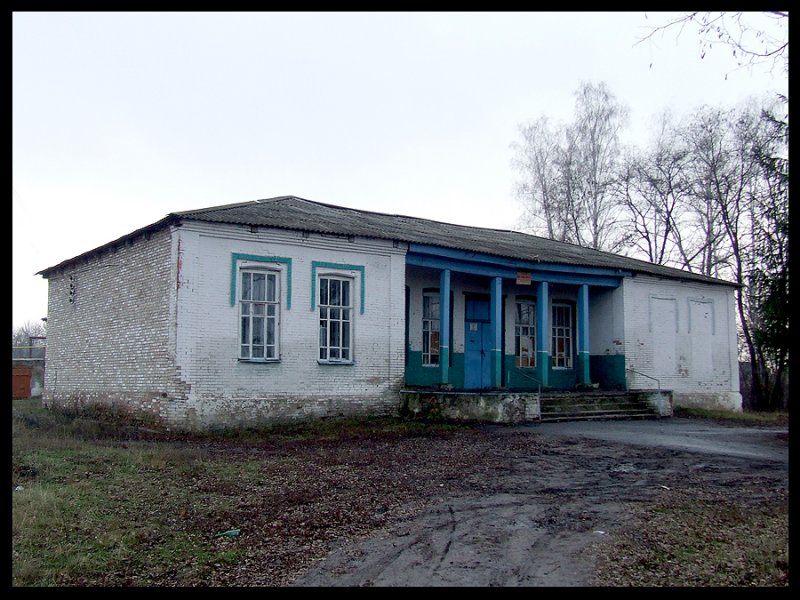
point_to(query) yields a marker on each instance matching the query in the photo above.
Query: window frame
(433, 327)
(326, 310)
(567, 332)
(531, 327)
(247, 309)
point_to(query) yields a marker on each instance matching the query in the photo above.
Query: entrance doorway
(477, 344)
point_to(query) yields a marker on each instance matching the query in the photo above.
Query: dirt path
(543, 520)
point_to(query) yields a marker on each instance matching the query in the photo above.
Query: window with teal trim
(525, 334)
(259, 315)
(430, 328)
(335, 319)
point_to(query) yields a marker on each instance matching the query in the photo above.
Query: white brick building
(285, 308)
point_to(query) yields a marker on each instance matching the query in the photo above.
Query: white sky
(121, 118)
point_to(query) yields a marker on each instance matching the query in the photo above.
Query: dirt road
(543, 519)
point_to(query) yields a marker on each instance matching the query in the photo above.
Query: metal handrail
(658, 383)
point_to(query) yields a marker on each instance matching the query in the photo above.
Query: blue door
(477, 345)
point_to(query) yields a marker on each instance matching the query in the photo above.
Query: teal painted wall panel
(608, 371)
(515, 378)
(563, 379)
(416, 374)
(557, 379)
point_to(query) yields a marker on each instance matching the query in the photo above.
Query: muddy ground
(501, 506)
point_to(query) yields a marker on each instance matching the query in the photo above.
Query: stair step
(592, 406)
(597, 411)
(599, 417)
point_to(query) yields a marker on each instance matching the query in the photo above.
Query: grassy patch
(776, 418)
(692, 540)
(98, 502)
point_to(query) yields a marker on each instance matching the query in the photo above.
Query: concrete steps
(591, 405)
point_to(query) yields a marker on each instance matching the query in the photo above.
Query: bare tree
(653, 187)
(766, 259)
(568, 174)
(713, 179)
(21, 335)
(535, 158)
(594, 146)
(754, 38)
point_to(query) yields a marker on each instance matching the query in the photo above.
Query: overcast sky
(121, 118)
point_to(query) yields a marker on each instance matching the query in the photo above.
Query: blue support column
(583, 335)
(496, 310)
(543, 333)
(444, 326)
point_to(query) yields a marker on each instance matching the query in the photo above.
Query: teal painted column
(444, 326)
(543, 333)
(583, 334)
(496, 308)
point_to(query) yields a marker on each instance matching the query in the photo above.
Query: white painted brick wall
(112, 344)
(694, 381)
(606, 321)
(225, 390)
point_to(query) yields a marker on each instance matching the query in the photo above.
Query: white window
(335, 319)
(562, 336)
(525, 334)
(430, 328)
(259, 315)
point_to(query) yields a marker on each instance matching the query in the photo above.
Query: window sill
(335, 362)
(260, 361)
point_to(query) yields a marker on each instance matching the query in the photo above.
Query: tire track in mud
(535, 523)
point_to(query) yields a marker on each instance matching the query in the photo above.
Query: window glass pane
(258, 330)
(334, 299)
(245, 308)
(434, 307)
(258, 309)
(345, 335)
(323, 291)
(245, 352)
(345, 314)
(246, 287)
(334, 333)
(271, 331)
(245, 330)
(270, 351)
(258, 351)
(334, 353)
(271, 310)
(345, 293)
(335, 312)
(435, 342)
(323, 313)
(259, 289)
(345, 354)
(323, 354)
(323, 333)
(271, 285)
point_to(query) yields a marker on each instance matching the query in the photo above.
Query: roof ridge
(207, 209)
(385, 214)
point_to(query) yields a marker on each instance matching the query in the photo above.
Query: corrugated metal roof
(291, 212)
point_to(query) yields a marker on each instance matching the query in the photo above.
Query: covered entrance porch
(481, 322)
